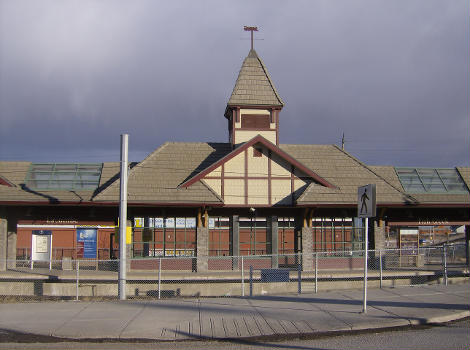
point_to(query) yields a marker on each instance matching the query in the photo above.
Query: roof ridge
(5, 182)
(373, 172)
(269, 79)
(259, 138)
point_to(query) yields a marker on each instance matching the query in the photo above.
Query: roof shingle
(254, 86)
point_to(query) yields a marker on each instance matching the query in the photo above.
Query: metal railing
(160, 277)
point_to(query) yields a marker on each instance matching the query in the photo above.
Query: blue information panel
(86, 242)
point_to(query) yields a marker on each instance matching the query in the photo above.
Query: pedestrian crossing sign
(366, 204)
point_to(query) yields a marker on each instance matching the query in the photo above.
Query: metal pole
(444, 251)
(123, 218)
(316, 272)
(366, 244)
(77, 266)
(159, 276)
(243, 279)
(251, 280)
(299, 279)
(380, 263)
(50, 253)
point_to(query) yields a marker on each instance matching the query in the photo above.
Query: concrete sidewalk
(179, 319)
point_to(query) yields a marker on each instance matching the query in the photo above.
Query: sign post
(366, 208)
(123, 218)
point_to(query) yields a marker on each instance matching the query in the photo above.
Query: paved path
(174, 319)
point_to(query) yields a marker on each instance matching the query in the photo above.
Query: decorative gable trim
(270, 146)
(5, 182)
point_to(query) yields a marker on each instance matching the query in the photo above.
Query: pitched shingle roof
(345, 172)
(156, 178)
(465, 173)
(16, 172)
(254, 86)
(389, 173)
(256, 141)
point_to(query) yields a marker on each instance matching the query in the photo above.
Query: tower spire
(250, 29)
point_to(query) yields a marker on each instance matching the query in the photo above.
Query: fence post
(251, 280)
(77, 266)
(316, 272)
(299, 279)
(159, 276)
(444, 252)
(243, 278)
(380, 263)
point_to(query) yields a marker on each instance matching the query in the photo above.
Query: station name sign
(61, 221)
(427, 222)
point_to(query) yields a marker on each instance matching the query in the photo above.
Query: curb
(448, 318)
(40, 338)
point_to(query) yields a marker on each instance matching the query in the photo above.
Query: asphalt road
(452, 336)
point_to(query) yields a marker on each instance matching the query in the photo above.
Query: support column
(467, 244)
(202, 248)
(11, 243)
(273, 237)
(3, 241)
(307, 249)
(234, 239)
(379, 235)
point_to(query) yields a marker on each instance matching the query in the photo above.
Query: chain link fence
(219, 276)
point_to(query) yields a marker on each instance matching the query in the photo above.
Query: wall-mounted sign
(180, 222)
(190, 222)
(211, 223)
(170, 222)
(138, 222)
(41, 245)
(158, 222)
(86, 243)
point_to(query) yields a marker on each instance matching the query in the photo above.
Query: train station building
(250, 195)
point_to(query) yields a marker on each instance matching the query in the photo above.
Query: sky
(392, 75)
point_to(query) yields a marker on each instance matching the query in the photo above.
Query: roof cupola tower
(253, 107)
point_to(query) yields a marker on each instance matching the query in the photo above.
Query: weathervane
(251, 29)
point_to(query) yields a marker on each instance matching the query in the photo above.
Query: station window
(164, 237)
(219, 236)
(53, 176)
(431, 180)
(337, 234)
(253, 236)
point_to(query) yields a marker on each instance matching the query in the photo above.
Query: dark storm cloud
(392, 75)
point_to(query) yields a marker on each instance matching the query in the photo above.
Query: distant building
(249, 196)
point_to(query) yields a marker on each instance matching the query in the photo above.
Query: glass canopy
(52, 176)
(431, 180)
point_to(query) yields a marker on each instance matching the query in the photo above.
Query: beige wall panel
(258, 191)
(216, 172)
(279, 167)
(254, 111)
(234, 191)
(257, 166)
(298, 183)
(215, 185)
(235, 166)
(243, 136)
(280, 192)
